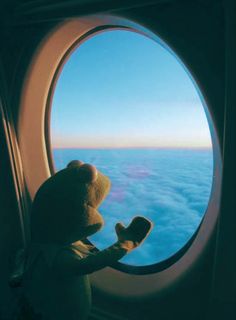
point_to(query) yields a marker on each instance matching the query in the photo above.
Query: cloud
(170, 187)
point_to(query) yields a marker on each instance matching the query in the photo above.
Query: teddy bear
(54, 279)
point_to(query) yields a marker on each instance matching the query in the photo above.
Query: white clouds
(171, 187)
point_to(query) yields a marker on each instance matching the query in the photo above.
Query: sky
(120, 89)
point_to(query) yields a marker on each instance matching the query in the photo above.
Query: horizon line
(134, 147)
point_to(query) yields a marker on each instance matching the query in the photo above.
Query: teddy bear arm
(69, 263)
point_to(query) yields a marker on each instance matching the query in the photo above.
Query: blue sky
(121, 89)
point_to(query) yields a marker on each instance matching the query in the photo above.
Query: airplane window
(126, 104)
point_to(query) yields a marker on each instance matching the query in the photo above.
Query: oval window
(126, 104)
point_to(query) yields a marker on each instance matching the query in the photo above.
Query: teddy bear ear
(87, 173)
(75, 164)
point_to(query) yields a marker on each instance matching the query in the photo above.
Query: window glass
(125, 103)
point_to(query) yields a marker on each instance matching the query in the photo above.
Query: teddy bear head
(64, 209)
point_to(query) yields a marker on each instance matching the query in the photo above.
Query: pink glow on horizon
(134, 147)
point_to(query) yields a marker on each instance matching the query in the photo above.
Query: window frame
(61, 41)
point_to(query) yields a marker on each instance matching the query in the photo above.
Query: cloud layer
(170, 187)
